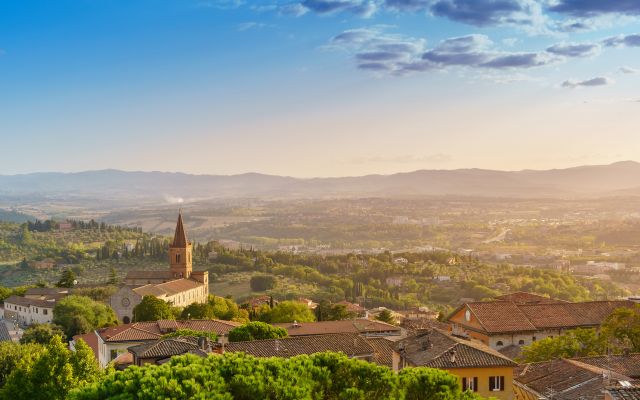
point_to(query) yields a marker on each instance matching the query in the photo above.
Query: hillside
(163, 187)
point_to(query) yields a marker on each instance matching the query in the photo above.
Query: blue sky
(317, 87)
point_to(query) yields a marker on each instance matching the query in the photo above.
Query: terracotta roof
(24, 302)
(567, 379)
(507, 316)
(350, 344)
(4, 332)
(168, 288)
(624, 393)
(528, 298)
(360, 325)
(146, 331)
(438, 349)
(165, 348)
(161, 274)
(351, 307)
(511, 351)
(40, 291)
(628, 365)
(383, 351)
(180, 236)
(91, 339)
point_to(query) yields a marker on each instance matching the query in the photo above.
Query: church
(179, 285)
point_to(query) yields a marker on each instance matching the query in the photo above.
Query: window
(521, 342)
(499, 343)
(177, 258)
(533, 339)
(113, 354)
(470, 384)
(496, 383)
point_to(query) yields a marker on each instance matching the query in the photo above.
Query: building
(28, 311)
(179, 285)
(353, 308)
(360, 326)
(521, 319)
(479, 368)
(109, 343)
(47, 263)
(566, 379)
(161, 351)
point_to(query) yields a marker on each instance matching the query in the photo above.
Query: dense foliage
(80, 314)
(152, 308)
(50, 372)
(256, 331)
(289, 311)
(237, 376)
(260, 283)
(215, 308)
(619, 333)
(41, 333)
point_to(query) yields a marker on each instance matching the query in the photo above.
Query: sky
(317, 87)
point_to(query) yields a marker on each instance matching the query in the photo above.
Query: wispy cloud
(245, 26)
(593, 82)
(629, 70)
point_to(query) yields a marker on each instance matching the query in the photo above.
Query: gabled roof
(567, 379)
(358, 325)
(168, 288)
(384, 350)
(350, 344)
(24, 302)
(506, 316)
(4, 333)
(628, 364)
(166, 347)
(146, 331)
(180, 236)
(528, 298)
(438, 349)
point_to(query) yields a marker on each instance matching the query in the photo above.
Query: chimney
(453, 356)
(203, 343)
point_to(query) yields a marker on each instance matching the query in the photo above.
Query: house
(400, 261)
(46, 293)
(27, 311)
(109, 343)
(565, 379)
(308, 302)
(5, 336)
(162, 350)
(179, 285)
(394, 281)
(527, 319)
(351, 344)
(442, 278)
(479, 368)
(384, 352)
(360, 326)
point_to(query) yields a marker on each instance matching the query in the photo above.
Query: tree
(152, 308)
(11, 354)
(574, 343)
(215, 308)
(260, 283)
(41, 333)
(622, 328)
(113, 277)
(51, 373)
(325, 311)
(256, 331)
(80, 314)
(68, 279)
(289, 311)
(386, 316)
(433, 384)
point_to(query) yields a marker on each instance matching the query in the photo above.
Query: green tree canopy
(41, 333)
(256, 330)
(51, 373)
(386, 316)
(622, 328)
(11, 354)
(236, 376)
(573, 343)
(80, 314)
(215, 308)
(152, 308)
(289, 311)
(325, 311)
(68, 279)
(260, 283)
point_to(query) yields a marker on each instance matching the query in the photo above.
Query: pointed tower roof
(180, 237)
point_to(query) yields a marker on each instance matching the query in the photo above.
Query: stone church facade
(179, 285)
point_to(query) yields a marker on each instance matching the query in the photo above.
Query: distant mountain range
(618, 179)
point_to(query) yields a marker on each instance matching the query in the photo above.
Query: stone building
(179, 285)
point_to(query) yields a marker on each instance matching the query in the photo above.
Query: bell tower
(180, 252)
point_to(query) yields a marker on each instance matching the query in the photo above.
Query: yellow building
(479, 368)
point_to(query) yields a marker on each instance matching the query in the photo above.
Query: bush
(256, 331)
(260, 283)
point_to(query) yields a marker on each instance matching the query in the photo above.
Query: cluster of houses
(478, 343)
